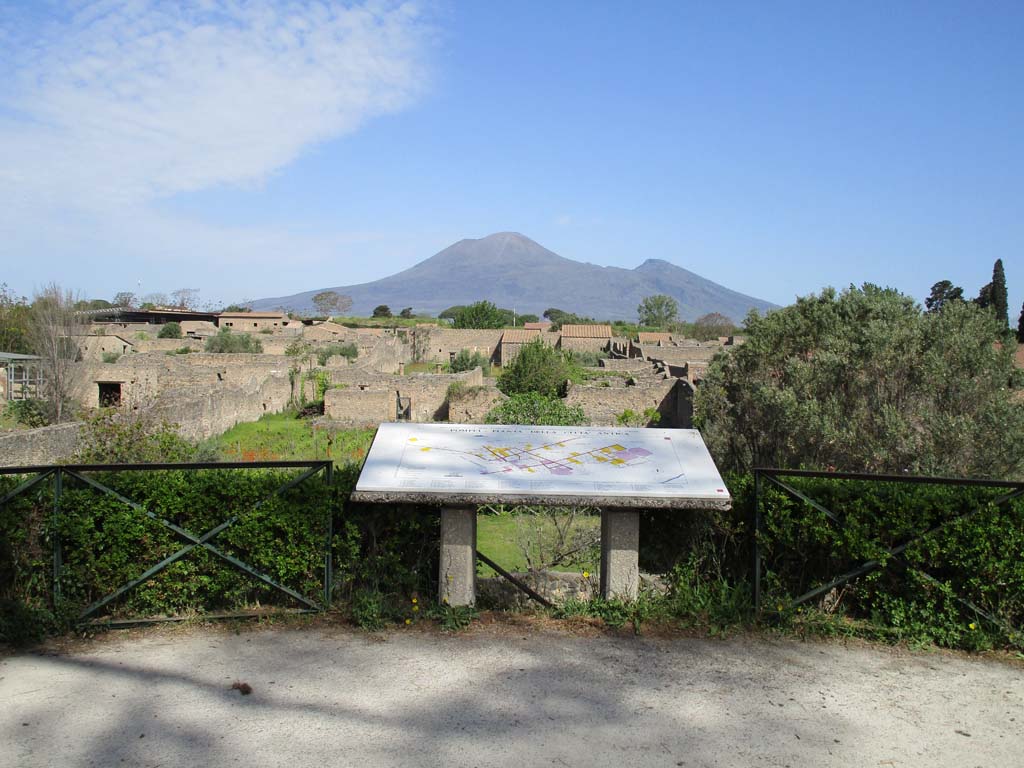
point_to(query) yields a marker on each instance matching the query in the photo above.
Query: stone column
(457, 580)
(620, 559)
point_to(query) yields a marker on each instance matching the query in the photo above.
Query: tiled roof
(587, 331)
(519, 336)
(539, 326)
(647, 337)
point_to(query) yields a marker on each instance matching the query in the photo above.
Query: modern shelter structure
(21, 377)
(458, 467)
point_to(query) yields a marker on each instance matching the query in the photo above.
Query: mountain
(515, 272)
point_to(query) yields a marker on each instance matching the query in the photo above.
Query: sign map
(571, 461)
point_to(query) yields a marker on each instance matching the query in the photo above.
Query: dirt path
(329, 697)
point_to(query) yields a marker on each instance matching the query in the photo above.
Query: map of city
(540, 460)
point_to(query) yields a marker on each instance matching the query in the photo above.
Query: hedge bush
(979, 558)
(106, 543)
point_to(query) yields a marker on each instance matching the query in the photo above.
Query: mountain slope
(515, 272)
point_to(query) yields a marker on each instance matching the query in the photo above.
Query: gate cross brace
(194, 541)
(895, 552)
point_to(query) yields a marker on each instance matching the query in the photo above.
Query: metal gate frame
(773, 475)
(59, 473)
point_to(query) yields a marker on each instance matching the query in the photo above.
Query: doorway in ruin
(110, 394)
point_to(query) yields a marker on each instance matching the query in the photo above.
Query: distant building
(512, 341)
(21, 377)
(252, 321)
(586, 338)
(542, 325)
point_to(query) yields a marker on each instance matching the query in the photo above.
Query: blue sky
(259, 149)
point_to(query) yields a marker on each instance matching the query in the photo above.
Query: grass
(497, 537)
(282, 436)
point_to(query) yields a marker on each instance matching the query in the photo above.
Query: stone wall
(470, 405)
(46, 445)
(94, 347)
(624, 364)
(205, 394)
(672, 398)
(584, 345)
(168, 345)
(443, 343)
(427, 395)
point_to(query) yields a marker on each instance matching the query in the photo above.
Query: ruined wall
(46, 445)
(443, 343)
(624, 364)
(427, 395)
(94, 347)
(584, 345)
(602, 405)
(205, 394)
(471, 405)
(168, 345)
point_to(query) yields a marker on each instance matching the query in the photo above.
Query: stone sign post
(457, 467)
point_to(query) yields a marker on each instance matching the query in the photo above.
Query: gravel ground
(502, 696)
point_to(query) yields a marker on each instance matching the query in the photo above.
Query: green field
(282, 436)
(498, 537)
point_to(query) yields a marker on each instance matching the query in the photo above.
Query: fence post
(58, 555)
(757, 541)
(328, 555)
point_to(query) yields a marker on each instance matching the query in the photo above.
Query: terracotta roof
(519, 336)
(646, 337)
(587, 331)
(539, 326)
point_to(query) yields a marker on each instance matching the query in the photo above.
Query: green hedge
(979, 559)
(107, 543)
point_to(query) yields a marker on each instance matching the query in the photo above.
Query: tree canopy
(864, 381)
(382, 310)
(482, 314)
(713, 325)
(329, 303)
(942, 293)
(658, 311)
(537, 368)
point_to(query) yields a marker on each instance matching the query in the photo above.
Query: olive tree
(865, 381)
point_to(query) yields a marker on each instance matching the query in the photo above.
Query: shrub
(171, 330)
(110, 357)
(538, 369)
(629, 418)
(865, 381)
(122, 437)
(467, 361)
(382, 556)
(532, 408)
(29, 413)
(482, 314)
(349, 350)
(226, 341)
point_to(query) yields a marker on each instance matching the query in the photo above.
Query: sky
(254, 149)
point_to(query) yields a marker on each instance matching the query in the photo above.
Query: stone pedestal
(620, 559)
(457, 581)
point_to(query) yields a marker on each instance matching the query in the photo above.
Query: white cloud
(133, 100)
(115, 105)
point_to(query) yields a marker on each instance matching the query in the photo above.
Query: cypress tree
(1020, 326)
(999, 301)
